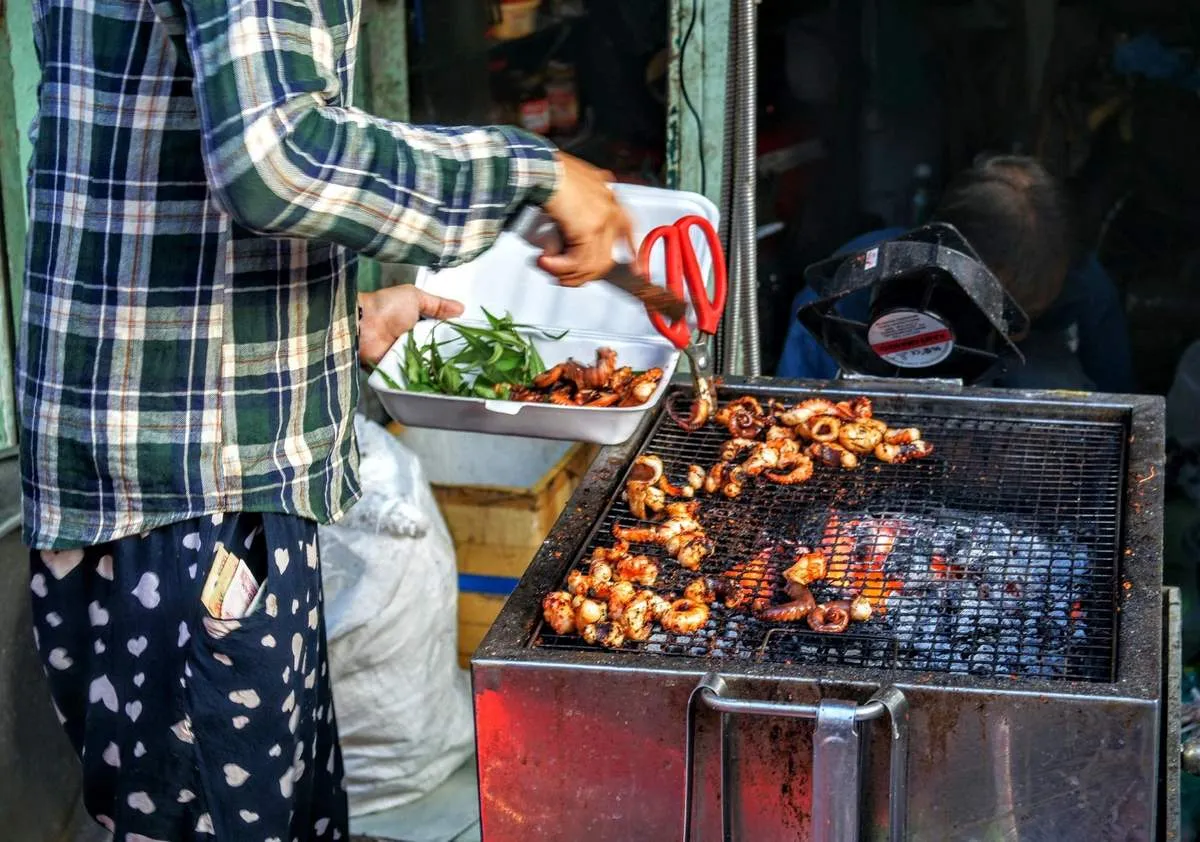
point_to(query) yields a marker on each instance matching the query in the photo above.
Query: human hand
(390, 313)
(591, 220)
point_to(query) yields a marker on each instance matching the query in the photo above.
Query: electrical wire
(687, 37)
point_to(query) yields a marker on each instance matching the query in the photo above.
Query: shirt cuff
(535, 171)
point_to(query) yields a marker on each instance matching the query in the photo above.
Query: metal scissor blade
(656, 299)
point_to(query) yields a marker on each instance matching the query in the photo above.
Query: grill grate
(1006, 544)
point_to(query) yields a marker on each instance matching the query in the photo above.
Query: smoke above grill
(1001, 551)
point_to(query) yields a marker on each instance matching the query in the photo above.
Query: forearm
(286, 157)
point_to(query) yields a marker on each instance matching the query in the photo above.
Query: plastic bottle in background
(922, 196)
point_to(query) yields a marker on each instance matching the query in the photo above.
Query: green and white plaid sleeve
(286, 155)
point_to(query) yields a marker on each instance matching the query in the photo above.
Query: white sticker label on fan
(911, 338)
(871, 259)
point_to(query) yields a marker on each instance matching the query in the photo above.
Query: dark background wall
(39, 774)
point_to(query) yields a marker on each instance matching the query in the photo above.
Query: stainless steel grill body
(578, 743)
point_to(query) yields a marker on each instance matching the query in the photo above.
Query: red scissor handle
(683, 265)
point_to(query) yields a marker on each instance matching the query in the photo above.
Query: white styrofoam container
(506, 279)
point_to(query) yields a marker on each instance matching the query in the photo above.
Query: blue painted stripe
(493, 585)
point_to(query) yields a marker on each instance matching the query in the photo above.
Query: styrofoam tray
(506, 279)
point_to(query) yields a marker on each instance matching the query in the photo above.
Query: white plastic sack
(391, 604)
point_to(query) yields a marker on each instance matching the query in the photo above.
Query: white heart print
(147, 591)
(282, 559)
(61, 562)
(97, 614)
(112, 756)
(102, 690)
(133, 710)
(137, 646)
(59, 659)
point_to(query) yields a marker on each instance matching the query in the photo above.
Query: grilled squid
(906, 435)
(620, 594)
(639, 569)
(727, 478)
(685, 616)
(898, 454)
(859, 407)
(860, 609)
(778, 431)
(579, 583)
(639, 389)
(823, 429)
(830, 617)
(641, 488)
(801, 606)
(803, 412)
(558, 612)
(709, 589)
(801, 472)
(690, 549)
(637, 618)
(809, 567)
(580, 376)
(780, 453)
(733, 448)
(743, 417)
(833, 455)
(608, 634)
(859, 437)
(703, 401)
(588, 612)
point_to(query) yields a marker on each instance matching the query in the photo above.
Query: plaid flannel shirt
(199, 187)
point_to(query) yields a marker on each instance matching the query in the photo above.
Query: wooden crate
(497, 531)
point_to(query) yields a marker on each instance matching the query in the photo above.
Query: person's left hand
(390, 313)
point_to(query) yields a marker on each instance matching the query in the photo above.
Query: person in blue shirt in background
(1016, 216)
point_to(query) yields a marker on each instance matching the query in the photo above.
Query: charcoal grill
(1013, 689)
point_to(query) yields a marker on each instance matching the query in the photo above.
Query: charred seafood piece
(743, 417)
(833, 455)
(802, 605)
(811, 566)
(685, 616)
(710, 589)
(648, 487)
(804, 412)
(800, 472)
(572, 383)
(680, 534)
(898, 454)
(830, 617)
(558, 612)
(861, 437)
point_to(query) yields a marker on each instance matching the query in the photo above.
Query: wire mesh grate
(1003, 556)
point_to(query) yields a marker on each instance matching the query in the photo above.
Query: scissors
(683, 266)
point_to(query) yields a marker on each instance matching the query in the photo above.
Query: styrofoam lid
(506, 278)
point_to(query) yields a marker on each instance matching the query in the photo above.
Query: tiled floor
(448, 814)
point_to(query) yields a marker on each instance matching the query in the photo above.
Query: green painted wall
(696, 107)
(18, 104)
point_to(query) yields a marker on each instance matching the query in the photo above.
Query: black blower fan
(936, 311)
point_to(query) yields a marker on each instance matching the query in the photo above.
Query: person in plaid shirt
(199, 192)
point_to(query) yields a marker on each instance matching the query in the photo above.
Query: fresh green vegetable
(489, 360)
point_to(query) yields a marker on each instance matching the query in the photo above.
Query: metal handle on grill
(836, 787)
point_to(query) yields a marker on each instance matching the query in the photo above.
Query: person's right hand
(591, 221)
